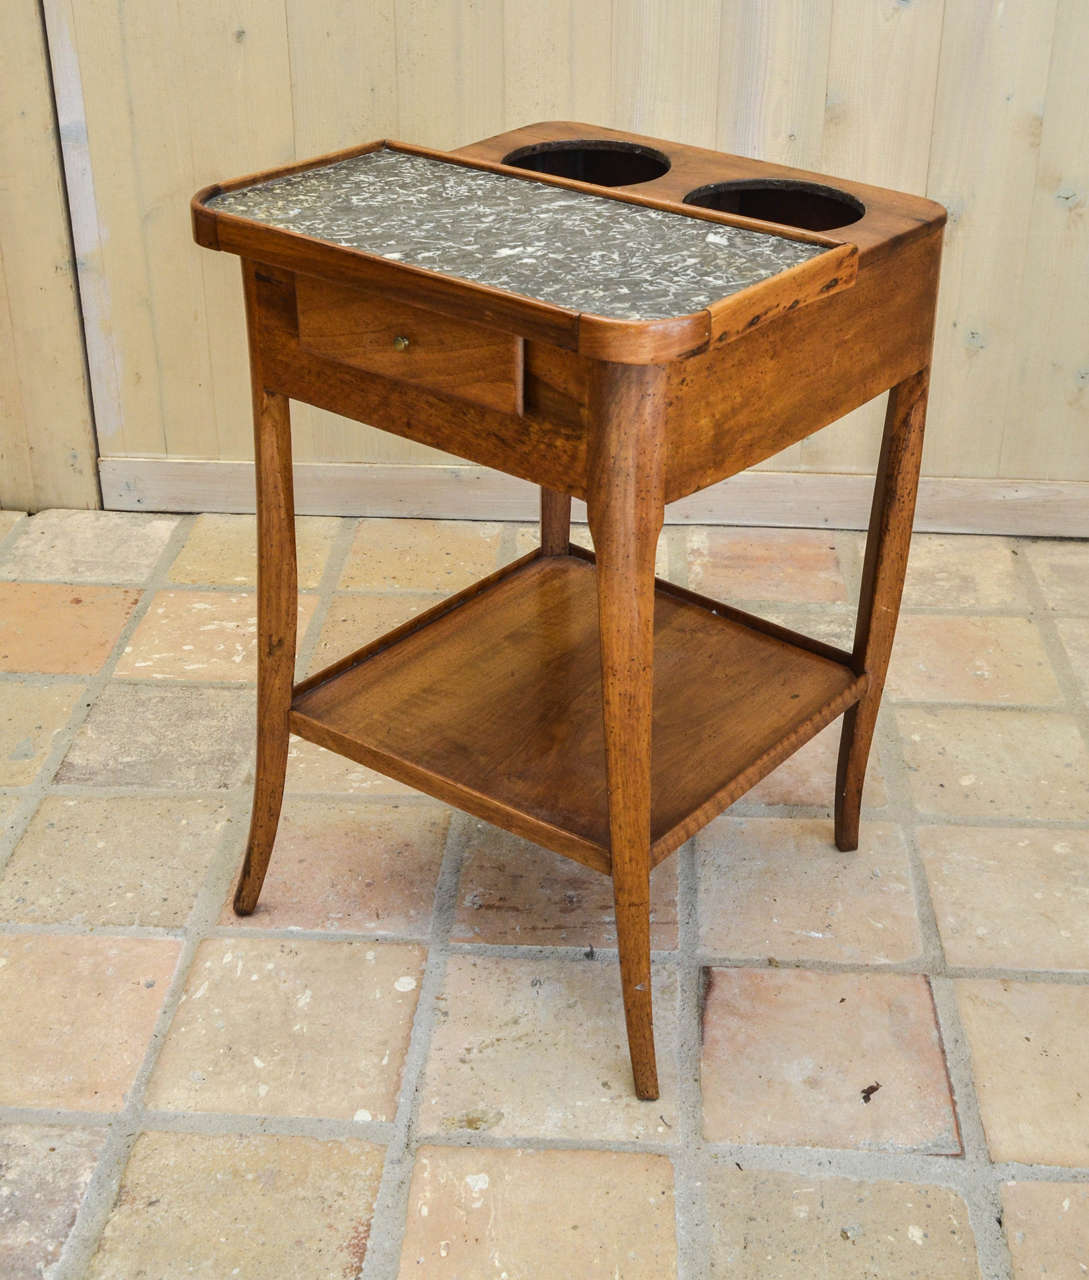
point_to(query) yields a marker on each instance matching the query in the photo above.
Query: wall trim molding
(1041, 508)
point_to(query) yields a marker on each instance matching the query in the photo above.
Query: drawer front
(455, 357)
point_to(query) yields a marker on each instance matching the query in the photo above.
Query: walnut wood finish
(891, 219)
(626, 507)
(410, 344)
(277, 612)
(733, 407)
(518, 736)
(570, 697)
(555, 522)
(548, 450)
(626, 341)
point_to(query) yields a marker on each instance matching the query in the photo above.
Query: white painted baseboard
(1046, 508)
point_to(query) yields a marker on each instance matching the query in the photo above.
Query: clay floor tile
(46, 1170)
(1074, 634)
(793, 565)
(955, 572)
(88, 546)
(797, 1058)
(78, 1013)
(216, 1206)
(365, 868)
(290, 1028)
(1062, 570)
(199, 635)
(514, 893)
(314, 770)
(1047, 1229)
(355, 620)
(131, 860)
(31, 716)
(50, 628)
(937, 658)
(968, 762)
(537, 1048)
(221, 551)
(1010, 897)
(489, 1214)
(1027, 1041)
(421, 555)
(768, 1225)
(142, 735)
(808, 777)
(780, 887)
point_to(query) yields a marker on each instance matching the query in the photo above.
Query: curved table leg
(625, 511)
(887, 548)
(277, 621)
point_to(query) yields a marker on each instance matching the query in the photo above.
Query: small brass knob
(400, 343)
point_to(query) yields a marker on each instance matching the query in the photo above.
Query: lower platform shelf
(493, 704)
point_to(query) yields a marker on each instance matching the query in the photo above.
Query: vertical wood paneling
(151, 39)
(449, 70)
(773, 73)
(984, 156)
(979, 102)
(47, 455)
(342, 91)
(665, 67)
(880, 51)
(592, 25)
(1046, 431)
(882, 78)
(16, 475)
(115, 267)
(557, 61)
(236, 90)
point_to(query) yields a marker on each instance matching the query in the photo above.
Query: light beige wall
(978, 103)
(47, 455)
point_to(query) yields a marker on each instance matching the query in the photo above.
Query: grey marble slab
(584, 252)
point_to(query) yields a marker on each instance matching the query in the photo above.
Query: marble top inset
(583, 252)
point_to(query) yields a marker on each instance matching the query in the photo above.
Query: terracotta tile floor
(410, 1061)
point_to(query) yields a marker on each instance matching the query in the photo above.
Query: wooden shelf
(492, 702)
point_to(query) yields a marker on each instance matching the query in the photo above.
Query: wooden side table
(617, 319)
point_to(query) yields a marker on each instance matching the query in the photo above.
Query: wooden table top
(568, 248)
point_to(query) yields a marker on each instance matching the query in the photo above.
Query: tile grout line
(1075, 703)
(101, 1194)
(978, 1193)
(918, 1167)
(101, 1191)
(389, 1219)
(126, 1125)
(573, 955)
(93, 686)
(693, 1232)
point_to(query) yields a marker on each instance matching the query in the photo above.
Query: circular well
(791, 203)
(604, 163)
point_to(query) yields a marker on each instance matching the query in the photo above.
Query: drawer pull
(394, 339)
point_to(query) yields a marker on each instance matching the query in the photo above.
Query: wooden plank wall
(980, 104)
(47, 455)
